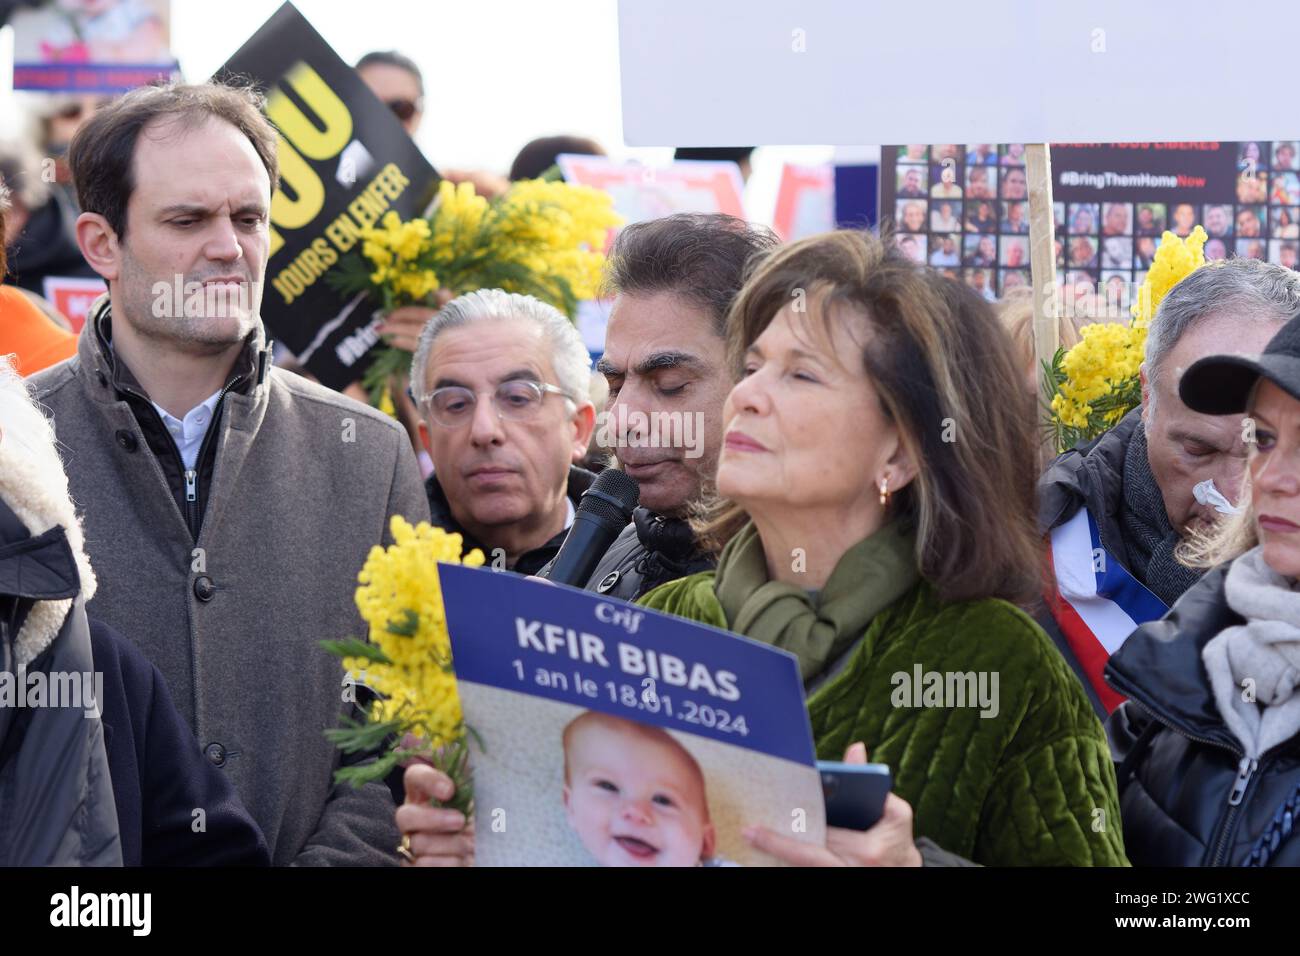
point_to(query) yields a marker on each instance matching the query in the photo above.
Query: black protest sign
(345, 161)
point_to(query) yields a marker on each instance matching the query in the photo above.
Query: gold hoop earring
(884, 491)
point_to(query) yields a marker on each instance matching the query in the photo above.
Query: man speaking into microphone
(673, 280)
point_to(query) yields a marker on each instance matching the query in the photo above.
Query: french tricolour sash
(1097, 604)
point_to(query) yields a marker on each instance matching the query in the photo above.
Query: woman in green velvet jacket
(876, 520)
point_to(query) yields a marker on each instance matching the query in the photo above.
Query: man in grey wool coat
(228, 504)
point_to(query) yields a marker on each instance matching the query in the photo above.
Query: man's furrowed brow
(252, 207)
(185, 208)
(666, 360)
(605, 367)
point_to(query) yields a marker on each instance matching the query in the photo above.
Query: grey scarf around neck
(1254, 668)
(1148, 536)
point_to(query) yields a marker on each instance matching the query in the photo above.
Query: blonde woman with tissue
(1210, 735)
(1116, 510)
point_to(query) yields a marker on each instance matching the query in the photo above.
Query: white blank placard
(810, 72)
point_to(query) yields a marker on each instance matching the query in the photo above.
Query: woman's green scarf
(817, 629)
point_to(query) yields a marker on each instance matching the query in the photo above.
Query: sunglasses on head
(404, 109)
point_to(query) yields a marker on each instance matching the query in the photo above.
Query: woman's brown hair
(948, 376)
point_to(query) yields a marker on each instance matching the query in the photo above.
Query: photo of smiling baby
(634, 796)
(647, 755)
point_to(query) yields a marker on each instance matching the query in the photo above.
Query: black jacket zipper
(190, 513)
(1246, 769)
(189, 510)
(1245, 772)
(191, 474)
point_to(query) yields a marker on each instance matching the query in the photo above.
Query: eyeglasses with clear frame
(517, 400)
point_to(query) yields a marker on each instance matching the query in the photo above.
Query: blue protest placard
(617, 735)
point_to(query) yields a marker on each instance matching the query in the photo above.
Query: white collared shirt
(568, 513)
(188, 434)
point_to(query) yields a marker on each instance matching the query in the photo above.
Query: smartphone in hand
(854, 793)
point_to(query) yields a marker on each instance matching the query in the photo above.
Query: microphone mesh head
(612, 495)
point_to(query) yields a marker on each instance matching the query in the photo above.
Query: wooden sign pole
(1042, 259)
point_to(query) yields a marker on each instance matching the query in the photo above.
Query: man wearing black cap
(1222, 384)
(1116, 509)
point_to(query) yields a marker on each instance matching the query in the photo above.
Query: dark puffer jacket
(1090, 475)
(1188, 796)
(651, 551)
(56, 796)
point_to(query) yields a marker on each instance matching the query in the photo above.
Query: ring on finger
(404, 849)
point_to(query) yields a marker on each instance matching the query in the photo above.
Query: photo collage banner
(963, 208)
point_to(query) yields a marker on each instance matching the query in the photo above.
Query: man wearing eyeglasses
(501, 381)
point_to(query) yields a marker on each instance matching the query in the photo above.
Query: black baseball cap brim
(1221, 384)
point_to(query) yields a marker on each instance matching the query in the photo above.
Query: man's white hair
(1249, 290)
(569, 356)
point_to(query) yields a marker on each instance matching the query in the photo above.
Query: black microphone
(604, 511)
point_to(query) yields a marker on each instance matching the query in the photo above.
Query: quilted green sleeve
(1054, 807)
(1053, 798)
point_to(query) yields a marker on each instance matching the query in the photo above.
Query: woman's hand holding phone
(888, 843)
